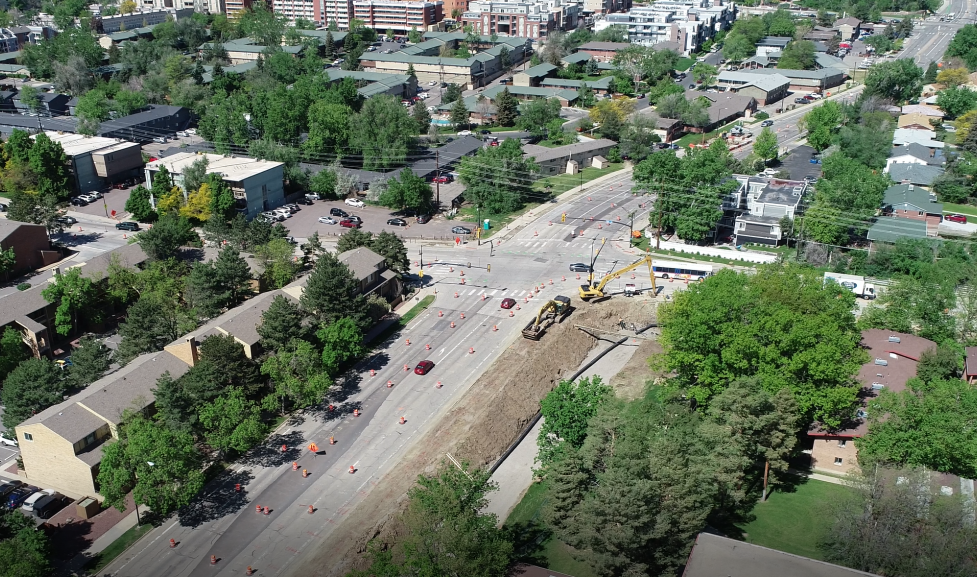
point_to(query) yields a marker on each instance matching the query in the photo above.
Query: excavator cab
(552, 312)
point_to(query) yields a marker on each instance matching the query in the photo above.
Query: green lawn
(536, 544)
(403, 320)
(100, 560)
(967, 209)
(683, 64)
(561, 183)
(693, 138)
(793, 522)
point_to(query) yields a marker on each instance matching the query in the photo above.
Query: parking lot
(305, 222)
(798, 163)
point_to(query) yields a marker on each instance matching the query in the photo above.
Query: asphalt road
(224, 522)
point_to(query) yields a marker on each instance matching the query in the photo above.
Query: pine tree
(423, 118)
(507, 109)
(459, 113)
(931, 71)
(332, 292)
(280, 323)
(198, 73)
(232, 274)
(410, 71)
(329, 50)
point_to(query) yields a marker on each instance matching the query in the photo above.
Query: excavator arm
(589, 291)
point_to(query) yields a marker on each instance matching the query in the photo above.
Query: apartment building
(531, 19)
(204, 6)
(338, 11)
(399, 16)
(295, 9)
(140, 18)
(605, 6)
(15, 38)
(687, 23)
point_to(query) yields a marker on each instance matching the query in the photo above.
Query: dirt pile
(477, 429)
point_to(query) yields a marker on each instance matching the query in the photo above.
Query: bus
(681, 270)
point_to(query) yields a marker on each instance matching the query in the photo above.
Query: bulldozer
(590, 290)
(552, 312)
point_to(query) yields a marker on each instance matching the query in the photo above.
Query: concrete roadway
(224, 523)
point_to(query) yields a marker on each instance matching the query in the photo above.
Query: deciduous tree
(34, 385)
(566, 411)
(89, 361)
(407, 191)
(74, 294)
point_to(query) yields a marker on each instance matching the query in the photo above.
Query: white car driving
(355, 202)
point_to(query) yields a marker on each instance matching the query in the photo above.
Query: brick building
(893, 358)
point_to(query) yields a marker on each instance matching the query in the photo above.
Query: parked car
(354, 202)
(349, 223)
(810, 179)
(508, 303)
(423, 367)
(958, 218)
(397, 222)
(815, 96)
(160, 140)
(494, 143)
(465, 133)
(355, 219)
(338, 212)
(8, 487)
(292, 207)
(272, 216)
(47, 506)
(461, 230)
(127, 225)
(79, 201)
(282, 212)
(801, 101)
(19, 495)
(443, 179)
(181, 133)
(766, 123)
(31, 501)
(313, 196)
(432, 83)
(326, 220)
(423, 218)
(579, 267)
(3, 207)
(4, 439)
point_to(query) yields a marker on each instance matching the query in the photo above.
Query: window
(28, 437)
(839, 461)
(842, 443)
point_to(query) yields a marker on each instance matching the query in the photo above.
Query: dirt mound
(477, 429)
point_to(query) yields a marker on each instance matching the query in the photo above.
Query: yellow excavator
(590, 290)
(552, 312)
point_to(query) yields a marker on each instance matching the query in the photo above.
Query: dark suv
(338, 212)
(127, 225)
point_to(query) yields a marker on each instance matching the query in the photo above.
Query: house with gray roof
(889, 229)
(61, 446)
(911, 202)
(569, 158)
(370, 269)
(600, 86)
(534, 75)
(912, 173)
(808, 80)
(724, 107)
(399, 85)
(765, 88)
(916, 153)
(757, 207)
(769, 44)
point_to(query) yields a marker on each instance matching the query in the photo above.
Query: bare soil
(629, 383)
(477, 429)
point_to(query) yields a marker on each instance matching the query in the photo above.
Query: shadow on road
(221, 499)
(270, 453)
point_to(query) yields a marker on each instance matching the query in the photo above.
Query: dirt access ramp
(478, 428)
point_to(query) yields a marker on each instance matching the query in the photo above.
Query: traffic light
(420, 274)
(564, 217)
(488, 268)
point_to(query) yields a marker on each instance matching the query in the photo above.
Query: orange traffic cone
(351, 470)
(332, 440)
(437, 385)
(402, 420)
(213, 559)
(311, 509)
(452, 324)
(356, 412)
(305, 472)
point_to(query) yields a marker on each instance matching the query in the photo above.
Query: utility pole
(437, 178)
(800, 237)
(661, 211)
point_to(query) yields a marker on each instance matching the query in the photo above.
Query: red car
(443, 179)
(349, 223)
(494, 143)
(508, 303)
(423, 367)
(959, 218)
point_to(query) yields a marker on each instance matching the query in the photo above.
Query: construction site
(495, 412)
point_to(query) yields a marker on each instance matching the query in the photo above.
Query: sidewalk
(394, 315)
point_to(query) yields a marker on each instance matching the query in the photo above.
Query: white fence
(746, 256)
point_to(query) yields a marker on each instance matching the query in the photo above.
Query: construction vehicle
(552, 312)
(590, 290)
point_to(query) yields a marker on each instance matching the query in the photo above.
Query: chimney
(185, 351)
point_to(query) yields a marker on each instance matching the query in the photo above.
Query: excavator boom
(589, 291)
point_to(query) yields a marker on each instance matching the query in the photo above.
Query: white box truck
(855, 284)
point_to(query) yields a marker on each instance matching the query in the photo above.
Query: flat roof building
(525, 18)
(96, 161)
(258, 185)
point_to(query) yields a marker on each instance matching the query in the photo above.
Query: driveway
(798, 163)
